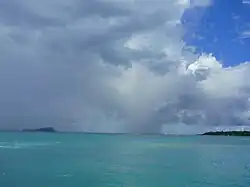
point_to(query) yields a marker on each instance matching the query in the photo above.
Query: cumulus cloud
(112, 66)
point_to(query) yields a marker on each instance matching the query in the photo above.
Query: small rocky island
(44, 129)
(228, 133)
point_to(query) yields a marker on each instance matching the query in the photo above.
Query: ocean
(105, 160)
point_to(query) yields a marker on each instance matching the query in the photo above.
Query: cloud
(111, 66)
(245, 35)
(247, 2)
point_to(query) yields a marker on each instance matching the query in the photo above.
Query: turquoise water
(94, 160)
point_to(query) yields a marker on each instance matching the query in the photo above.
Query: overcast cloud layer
(112, 66)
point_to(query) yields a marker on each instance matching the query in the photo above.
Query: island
(228, 133)
(44, 129)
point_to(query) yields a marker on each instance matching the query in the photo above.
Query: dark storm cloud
(110, 66)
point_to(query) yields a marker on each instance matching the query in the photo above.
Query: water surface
(95, 160)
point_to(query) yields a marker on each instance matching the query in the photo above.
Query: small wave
(65, 175)
(23, 145)
(8, 147)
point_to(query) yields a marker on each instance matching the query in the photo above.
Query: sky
(223, 30)
(133, 66)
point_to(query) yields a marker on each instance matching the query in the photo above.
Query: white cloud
(245, 34)
(246, 2)
(111, 66)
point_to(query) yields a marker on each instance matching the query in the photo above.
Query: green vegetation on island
(228, 133)
(44, 129)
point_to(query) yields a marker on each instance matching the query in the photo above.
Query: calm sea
(95, 160)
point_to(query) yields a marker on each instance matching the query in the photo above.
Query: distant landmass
(44, 129)
(228, 133)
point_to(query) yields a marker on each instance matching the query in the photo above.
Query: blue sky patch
(220, 30)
